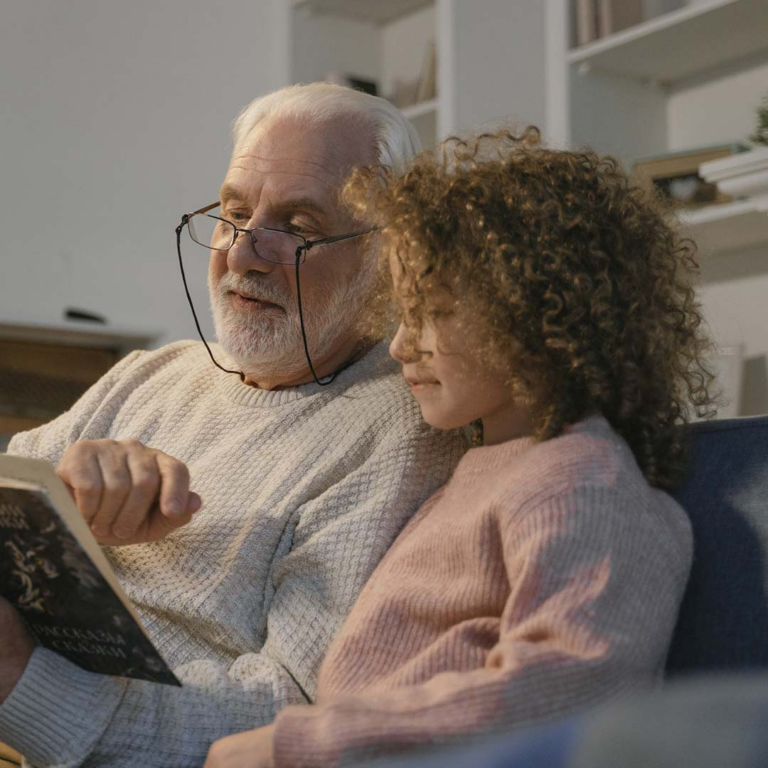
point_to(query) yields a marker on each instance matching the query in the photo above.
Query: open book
(53, 571)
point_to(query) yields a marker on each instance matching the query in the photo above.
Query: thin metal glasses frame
(300, 254)
(301, 250)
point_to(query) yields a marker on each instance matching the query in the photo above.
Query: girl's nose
(398, 348)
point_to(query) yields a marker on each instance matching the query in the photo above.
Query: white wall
(733, 294)
(329, 43)
(115, 120)
(715, 110)
(499, 62)
(719, 109)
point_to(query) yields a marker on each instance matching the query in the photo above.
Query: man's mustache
(258, 289)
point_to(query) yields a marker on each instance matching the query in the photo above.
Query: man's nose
(242, 256)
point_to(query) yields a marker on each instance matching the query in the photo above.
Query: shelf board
(375, 11)
(729, 227)
(67, 334)
(422, 109)
(701, 36)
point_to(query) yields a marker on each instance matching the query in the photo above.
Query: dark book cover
(63, 597)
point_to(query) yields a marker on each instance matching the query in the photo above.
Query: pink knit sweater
(543, 578)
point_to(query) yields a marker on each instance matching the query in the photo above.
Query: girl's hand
(251, 749)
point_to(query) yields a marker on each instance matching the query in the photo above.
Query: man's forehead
(323, 154)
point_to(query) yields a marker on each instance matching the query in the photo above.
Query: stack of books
(742, 176)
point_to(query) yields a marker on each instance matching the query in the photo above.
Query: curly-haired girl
(544, 296)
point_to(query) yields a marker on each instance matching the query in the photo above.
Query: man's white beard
(268, 344)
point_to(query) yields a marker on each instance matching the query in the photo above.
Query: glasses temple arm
(337, 238)
(205, 209)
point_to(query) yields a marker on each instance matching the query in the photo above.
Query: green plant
(760, 136)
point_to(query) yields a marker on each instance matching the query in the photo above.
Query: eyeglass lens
(218, 234)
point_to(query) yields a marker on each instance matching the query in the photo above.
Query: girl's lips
(417, 384)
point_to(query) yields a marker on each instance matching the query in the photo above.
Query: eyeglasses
(278, 246)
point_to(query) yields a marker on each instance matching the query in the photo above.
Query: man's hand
(126, 492)
(252, 749)
(16, 647)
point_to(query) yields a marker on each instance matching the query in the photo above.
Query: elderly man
(300, 487)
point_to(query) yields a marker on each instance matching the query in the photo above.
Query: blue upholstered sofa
(713, 711)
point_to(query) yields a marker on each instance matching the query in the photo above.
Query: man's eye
(236, 216)
(297, 227)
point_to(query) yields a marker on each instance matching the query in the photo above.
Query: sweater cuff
(57, 711)
(295, 740)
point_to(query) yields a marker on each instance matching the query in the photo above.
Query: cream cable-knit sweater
(542, 579)
(304, 490)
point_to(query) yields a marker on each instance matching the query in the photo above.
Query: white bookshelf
(627, 95)
(693, 39)
(491, 54)
(660, 86)
(687, 79)
(422, 109)
(385, 42)
(644, 91)
(374, 11)
(733, 227)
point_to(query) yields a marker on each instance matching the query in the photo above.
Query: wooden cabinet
(43, 371)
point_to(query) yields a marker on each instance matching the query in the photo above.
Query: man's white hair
(395, 139)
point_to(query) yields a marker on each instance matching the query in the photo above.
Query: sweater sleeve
(595, 586)
(334, 550)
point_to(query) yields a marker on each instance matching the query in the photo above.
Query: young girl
(546, 298)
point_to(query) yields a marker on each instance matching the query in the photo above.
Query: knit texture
(303, 489)
(544, 578)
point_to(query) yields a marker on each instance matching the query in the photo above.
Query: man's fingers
(174, 485)
(116, 486)
(126, 491)
(144, 487)
(163, 524)
(80, 470)
(194, 503)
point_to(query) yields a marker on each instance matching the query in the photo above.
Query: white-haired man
(303, 487)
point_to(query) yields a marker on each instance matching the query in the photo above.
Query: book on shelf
(599, 18)
(408, 92)
(428, 79)
(52, 570)
(676, 174)
(615, 15)
(586, 21)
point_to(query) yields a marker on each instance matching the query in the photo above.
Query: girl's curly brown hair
(569, 273)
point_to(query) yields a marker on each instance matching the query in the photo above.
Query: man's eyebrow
(228, 191)
(307, 203)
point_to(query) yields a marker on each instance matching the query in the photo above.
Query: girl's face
(451, 384)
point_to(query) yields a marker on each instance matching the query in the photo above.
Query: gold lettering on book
(94, 649)
(73, 633)
(32, 570)
(12, 516)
